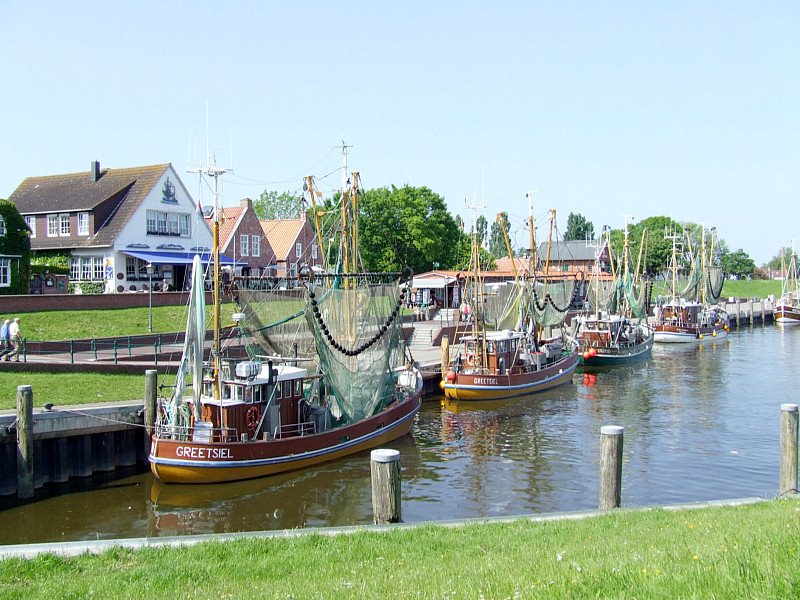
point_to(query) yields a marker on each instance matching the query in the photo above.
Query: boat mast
(313, 193)
(212, 170)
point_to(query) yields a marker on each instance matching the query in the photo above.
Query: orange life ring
(252, 418)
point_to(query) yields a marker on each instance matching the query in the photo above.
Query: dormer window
(30, 221)
(52, 225)
(2, 225)
(244, 247)
(298, 249)
(63, 221)
(83, 223)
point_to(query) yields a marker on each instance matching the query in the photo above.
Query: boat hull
(606, 357)
(677, 334)
(787, 315)
(477, 387)
(173, 461)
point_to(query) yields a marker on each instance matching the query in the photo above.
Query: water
(701, 423)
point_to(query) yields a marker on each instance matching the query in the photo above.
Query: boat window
(256, 393)
(235, 392)
(278, 390)
(287, 389)
(490, 347)
(513, 345)
(501, 346)
(298, 387)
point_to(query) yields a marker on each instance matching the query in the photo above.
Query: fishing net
(275, 320)
(604, 294)
(551, 300)
(500, 305)
(356, 330)
(715, 279)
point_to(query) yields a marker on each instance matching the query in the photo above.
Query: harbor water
(700, 423)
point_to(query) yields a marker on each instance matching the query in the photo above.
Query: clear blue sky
(689, 109)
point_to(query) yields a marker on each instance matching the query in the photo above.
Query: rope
(50, 408)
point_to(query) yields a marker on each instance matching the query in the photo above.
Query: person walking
(5, 338)
(16, 340)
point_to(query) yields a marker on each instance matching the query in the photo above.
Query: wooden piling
(610, 467)
(385, 471)
(445, 349)
(150, 389)
(789, 416)
(25, 457)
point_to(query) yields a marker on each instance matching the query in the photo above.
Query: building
(573, 257)
(242, 238)
(294, 244)
(115, 223)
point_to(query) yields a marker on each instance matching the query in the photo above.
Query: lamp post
(150, 298)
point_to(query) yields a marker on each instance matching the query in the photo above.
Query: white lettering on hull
(484, 381)
(203, 453)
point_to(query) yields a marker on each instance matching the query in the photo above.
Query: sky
(604, 109)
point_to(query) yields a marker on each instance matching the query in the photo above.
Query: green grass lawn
(74, 388)
(85, 324)
(722, 552)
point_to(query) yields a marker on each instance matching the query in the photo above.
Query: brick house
(294, 244)
(116, 222)
(242, 238)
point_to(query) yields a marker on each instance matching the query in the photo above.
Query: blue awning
(180, 258)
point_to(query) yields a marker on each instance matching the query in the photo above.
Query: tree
(738, 264)
(15, 241)
(482, 226)
(270, 205)
(406, 227)
(497, 238)
(578, 228)
(658, 249)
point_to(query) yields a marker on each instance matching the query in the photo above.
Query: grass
(73, 388)
(755, 288)
(722, 552)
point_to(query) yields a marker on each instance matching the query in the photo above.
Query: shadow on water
(700, 423)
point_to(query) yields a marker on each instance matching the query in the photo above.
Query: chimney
(246, 203)
(95, 170)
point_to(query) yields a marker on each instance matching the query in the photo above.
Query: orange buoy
(451, 376)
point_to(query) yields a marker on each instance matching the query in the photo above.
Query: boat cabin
(502, 351)
(680, 314)
(258, 404)
(599, 332)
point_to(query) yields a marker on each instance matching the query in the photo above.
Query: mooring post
(385, 471)
(25, 481)
(150, 387)
(789, 416)
(610, 467)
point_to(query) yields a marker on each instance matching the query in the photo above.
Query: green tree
(482, 227)
(406, 227)
(15, 241)
(658, 249)
(578, 228)
(738, 264)
(271, 205)
(497, 241)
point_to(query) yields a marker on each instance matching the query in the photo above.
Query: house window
(130, 267)
(86, 268)
(174, 226)
(298, 249)
(293, 270)
(31, 223)
(98, 272)
(75, 269)
(256, 240)
(244, 248)
(185, 227)
(152, 227)
(5, 272)
(162, 223)
(63, 221)
(52, 225)
(83, 223)
(2, 225)
(314, 251)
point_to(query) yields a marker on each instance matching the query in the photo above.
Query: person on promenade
(16, 340)
(5, 338)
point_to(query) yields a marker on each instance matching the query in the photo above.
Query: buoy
(587, 355)
(714, 334)
(451, 376)
(699, 336)
(592, 351)
(441, 384)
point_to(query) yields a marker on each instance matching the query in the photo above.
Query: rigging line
(84, 414)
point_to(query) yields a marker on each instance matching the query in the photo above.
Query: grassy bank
(725, 552)
(73, 388)
(757, 288)
(86, 324)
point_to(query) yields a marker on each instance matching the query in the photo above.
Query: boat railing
(189, 433)
(294, 430)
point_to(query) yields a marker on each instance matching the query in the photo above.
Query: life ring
(252, 418)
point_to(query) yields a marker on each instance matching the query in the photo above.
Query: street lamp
(150, 298)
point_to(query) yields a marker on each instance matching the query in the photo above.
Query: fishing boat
(787, 309)
(615, 331)
(692, 316)
(516, 361)
(270, 413)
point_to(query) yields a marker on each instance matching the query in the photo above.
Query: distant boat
(507, 363)
(787, 309)
(690, 316)
(615, 332)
